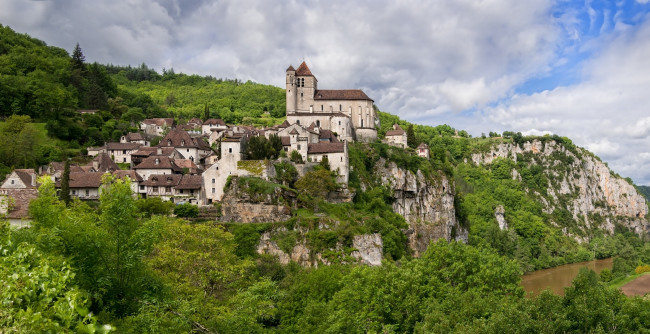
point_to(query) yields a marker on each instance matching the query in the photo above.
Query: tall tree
(206, 112)
(78, 58)
(65, 183)
(410, 137)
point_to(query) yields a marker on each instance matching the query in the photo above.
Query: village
(192, 162)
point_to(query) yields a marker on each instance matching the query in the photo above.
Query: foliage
(154, 206)
(286, 173)
(65, 184)
(38, 294)
(260, 148)
(296, 157)
(255, 167)
(186, 210)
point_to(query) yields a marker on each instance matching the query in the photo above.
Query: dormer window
(154, 179)
(169, 142)
(182, 142)
(157, 161)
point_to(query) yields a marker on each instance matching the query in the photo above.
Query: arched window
(318, 124)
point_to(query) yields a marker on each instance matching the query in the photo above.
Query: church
(349, 113)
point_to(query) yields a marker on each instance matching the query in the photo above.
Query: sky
(579, 69)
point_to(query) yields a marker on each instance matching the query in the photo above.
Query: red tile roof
(319, 148)
(341, 94)
(303, 70)
(290, 68)
(214, 121)
(105, 163)
(397, 131)
(164, 162)
(122, 146)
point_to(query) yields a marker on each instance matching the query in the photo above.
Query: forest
(128, 265)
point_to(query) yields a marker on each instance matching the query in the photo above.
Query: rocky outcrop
(499, 214)
(368, 249)
(579, 183)
(426, 203)
(245, 205)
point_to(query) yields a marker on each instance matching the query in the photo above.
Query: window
(298, 122)
(123, 159)
(12, 181)
(141, 187)
(181, 191)
(341, 159)
(230, 150)
(300, 94)
(188, 150)
(321, 107)
(74, 192)
(87, 192)
(155, 189)
(298, 146)
(169, 142)
(340, 107)
(168, 189)
(318, 123)
(339, 122)
(213, 180)
(213, 190)
(191, 191)
(123, 151)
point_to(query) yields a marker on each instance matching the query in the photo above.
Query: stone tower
(291, 90)
(305, 87)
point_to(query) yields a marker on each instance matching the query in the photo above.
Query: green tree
(316, 185)
(410, 137)
(65, 183)
(186, 210)
(286, 173)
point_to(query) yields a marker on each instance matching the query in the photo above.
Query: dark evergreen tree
(206, 112)
(410, 137)
(78, 58)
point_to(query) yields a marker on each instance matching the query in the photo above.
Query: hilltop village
(192, 162)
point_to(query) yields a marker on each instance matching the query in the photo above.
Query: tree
(410, 137)
(296, 157)
(186, 210)
(316, 185)
(286, 173)
(206, 112)
(65, 183)
(78, 58)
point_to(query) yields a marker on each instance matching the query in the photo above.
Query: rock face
(368, 249)
(579, 183)
(427, 204)
(241, 205)
(499, 214)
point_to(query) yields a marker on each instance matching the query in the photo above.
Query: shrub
(186, 210)
(642, 269)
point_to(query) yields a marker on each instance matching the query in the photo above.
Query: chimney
(159, 151)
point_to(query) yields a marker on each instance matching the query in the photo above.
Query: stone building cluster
(192, 162)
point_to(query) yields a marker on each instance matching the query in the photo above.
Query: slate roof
(84, 180)
(25, 176)
(132, 136)
(105, 163)
(146, 151)
(162, 180)
(341, 94)
(214, 121)
(320, 148)
(303, 70)
(121, 174)
(122, 146)
(328, 135)
(180, 138)
(397, 131)
(190, 182)
(164, 162)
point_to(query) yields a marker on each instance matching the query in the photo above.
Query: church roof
(303, 70)
(290, 68)
(342, 94)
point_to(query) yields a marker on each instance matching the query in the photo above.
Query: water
(556, 279)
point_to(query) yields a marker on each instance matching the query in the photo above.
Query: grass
(618, 283)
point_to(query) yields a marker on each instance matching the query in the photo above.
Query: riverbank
(634, 285)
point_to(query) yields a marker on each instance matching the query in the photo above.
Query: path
(638, 287)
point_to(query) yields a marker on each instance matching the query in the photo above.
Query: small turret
(291, 90)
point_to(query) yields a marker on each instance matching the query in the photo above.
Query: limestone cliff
(427, 204)
(577, 182)
(245, 204)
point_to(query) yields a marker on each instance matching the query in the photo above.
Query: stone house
(20, 179)
(213, 124)
(156, 126)
(349, 113)
(121, 152)
(157, 165)
(396, 137)
(174, 187)
(134, 137)
(423, 150)
(190, 148)
(144, 152)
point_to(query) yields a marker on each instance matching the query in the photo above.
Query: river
(556, 279)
